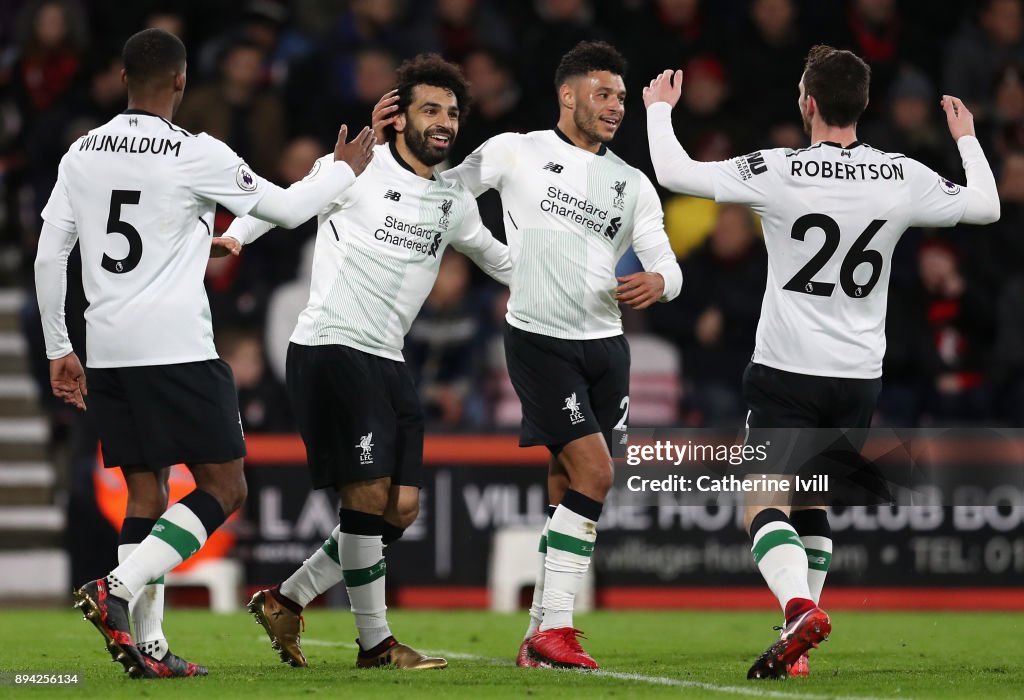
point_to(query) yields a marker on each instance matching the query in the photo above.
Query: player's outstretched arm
(477, 243)
(291, 207)
(673, 166)
(981, 194)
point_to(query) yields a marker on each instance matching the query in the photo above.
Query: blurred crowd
(275, 79)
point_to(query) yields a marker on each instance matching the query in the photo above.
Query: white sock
(362, 559)
(819, 557)
(781, 558)
(177, 535)
(537, 606)
(317, 574)
(147, 611)
(571, 538)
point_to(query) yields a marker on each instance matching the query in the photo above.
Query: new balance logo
(392, 195)
(554, 167)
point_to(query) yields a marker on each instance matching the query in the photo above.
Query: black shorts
(802, 417)
(779, 399)
(568, 388)
(359, 415)
(159, 415)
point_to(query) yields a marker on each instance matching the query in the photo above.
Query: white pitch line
(637, 677)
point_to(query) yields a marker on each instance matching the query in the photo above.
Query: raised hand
(667, 87)
(958, 117)
(67, 380)
(384, 114)
(358, 152)
(640, 289)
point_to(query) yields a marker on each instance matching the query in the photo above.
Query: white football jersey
(140, 194)
(832, 217)
(569, 216)
(377, 253)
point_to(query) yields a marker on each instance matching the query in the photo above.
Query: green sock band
(775, 538)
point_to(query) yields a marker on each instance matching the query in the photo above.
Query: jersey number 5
(857, 256)
(115, 224)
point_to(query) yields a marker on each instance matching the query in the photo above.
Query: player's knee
(230, 494)
(405, 514)
(602, 478)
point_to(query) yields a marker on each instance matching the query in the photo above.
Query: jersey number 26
(858, 255)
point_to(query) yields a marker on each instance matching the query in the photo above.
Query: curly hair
(838, 80)
(429, 69)
(589, 56)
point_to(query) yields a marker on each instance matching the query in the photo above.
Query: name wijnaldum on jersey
(130, 144)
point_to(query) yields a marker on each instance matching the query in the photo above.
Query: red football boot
(559, 648)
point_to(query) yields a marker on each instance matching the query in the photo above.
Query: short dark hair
(429, 69)
(589, 56)
(150, 55)
(838, 80)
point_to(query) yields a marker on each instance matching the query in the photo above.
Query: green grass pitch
(657, 655)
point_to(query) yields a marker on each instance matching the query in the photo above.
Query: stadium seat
(514, 565)
(222, 577)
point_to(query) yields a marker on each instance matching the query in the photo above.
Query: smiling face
(430, 124)
(599, 104)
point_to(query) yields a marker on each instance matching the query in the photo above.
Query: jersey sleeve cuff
(59, 351)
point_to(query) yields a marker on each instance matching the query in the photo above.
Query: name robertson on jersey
(579, 211)
(422, 240)
(846, 171)
(130, 144)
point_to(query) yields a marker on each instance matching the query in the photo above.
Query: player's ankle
(796, 607)
(285, 601)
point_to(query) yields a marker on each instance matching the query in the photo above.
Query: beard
(426, 152)
(587, 122)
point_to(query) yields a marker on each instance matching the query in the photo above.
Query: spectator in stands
(42, 76)
(711, 128)
(998, 255)
(909, 126)
(262, 400)
(1003, 130)
(714, 331)
(667, 33)
(454, 28)
(974, 56)
(956, 326)
(876, 31)
(764, 61)
(264, 23)
(354, 82)
(1008, 355)
(445, 348)
(239, 109)
(562, 24)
